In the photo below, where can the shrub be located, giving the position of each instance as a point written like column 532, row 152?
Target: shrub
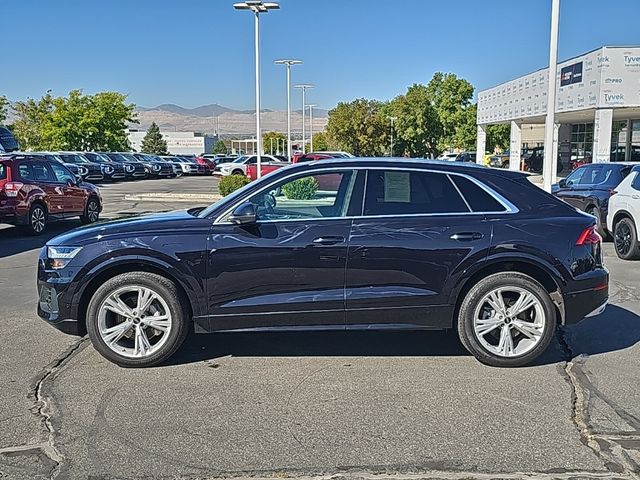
column 231, row 183
column 302, row 189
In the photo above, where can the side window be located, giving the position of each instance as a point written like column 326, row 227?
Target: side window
column 25, row 172
column 3, row 171
column 312, row 196
column 635, row 184
column 590, row 176
column 62, row 174
column 478, row 199
column 391, row 192
column 575, row 177
column 252, row 160
column 36, row 171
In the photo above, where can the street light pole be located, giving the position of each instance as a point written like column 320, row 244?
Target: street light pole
column 304, row 87
column 288, row 63
column 549, row 165
column 392, row 119
column 257, row 7
column 311, row 126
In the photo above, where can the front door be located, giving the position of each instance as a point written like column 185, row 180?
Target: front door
column 287, row 269
column 74, row 196
column 416, row 237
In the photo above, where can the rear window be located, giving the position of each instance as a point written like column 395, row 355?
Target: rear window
column 635, row 184
column 35, row 171
column 392, row 192
column 478, row 198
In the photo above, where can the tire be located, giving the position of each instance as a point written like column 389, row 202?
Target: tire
column 169, row 316
column 484, row 346
column 91, row 211
column 600, row 227
column 37, row 221
column 237, row 172
column 625, row 240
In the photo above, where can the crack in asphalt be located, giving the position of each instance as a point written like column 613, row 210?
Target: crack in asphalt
column 610, row 447
column 43, row 405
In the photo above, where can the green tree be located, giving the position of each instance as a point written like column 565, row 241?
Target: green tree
column 33, row 118
column 417, row 127
column 153, row 142
column 4, row 107
column 321, row 142
column 271, row 140
column 219, row 147
column 451, row 97
column 498, row 137
column 466, row 132
column 358, row 127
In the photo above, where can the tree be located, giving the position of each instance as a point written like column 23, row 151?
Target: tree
column 358, row 127
column 451, row 97
column 321, row 142
column 466, row 132
column 219, row 147
column 417, row 127
column 153, row 142
column 272, row 140
column 77, row 122
column 498, row 137
column 4, row 106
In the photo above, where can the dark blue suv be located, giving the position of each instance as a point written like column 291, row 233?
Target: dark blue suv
column 589, row 188
column 342, row 244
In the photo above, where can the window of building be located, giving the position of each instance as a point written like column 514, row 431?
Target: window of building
column 618, row 141
column 581, row 141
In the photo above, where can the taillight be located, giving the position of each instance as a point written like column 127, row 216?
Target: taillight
column 589, row 236
column 11, row 189
column 201, row 161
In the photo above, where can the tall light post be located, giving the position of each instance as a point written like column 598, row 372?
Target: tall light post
column 549, row 165
column 392, row 120
column 311, row 126
column 304, row 87
column 288, row 63
column 257, row 7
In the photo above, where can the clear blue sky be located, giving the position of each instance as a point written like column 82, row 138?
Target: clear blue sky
column 194, row 52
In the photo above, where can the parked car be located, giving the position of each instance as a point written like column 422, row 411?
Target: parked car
column 397, row 243
column 175, row 163
column 191, row 167
column 77, row 169
column 35, row 191
column 111, row 170
column 225, row 159
column 207, row 162
column 133, row 170
column 534, row 160
column 296, row 156
column 155, row 168
column 93, row 170
column 624, row 216
column 172, row 172
column 447, row 156
column 590, row 187
column 239, row 165
column 8, row 142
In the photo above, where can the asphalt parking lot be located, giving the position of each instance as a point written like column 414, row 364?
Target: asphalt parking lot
column 360, row 404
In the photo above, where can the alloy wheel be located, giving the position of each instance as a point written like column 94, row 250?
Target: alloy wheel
column 622, row 239
column 509, row 321
column 92, row 211
column 38, row 219
column 134, row 321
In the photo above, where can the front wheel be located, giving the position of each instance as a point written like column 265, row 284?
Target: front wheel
column 37, row 221
column 507, row 320
column 625, row 240
column 137, row 319
column 91, row 212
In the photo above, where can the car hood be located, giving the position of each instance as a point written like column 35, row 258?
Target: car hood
column 128, row 227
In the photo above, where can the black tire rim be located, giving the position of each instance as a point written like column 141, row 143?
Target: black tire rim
column 38, row 219
column 92, row 211
column 622, row 239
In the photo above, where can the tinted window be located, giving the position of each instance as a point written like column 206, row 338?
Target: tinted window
column 62, row 174
column 36, row 171
column 575, row 177
column 635, row 184
column 311, row 196
column 391, row 192
column 477, row 198
column 591, row 175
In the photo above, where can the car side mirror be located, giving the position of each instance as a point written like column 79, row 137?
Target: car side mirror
column 562, row 183
column 244, row 214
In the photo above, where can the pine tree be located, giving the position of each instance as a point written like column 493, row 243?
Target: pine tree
column 153, row 142
column 219, row 147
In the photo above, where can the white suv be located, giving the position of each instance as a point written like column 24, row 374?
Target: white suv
column 239, row 165
column 624, row 216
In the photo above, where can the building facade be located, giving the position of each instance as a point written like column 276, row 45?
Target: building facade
column 597, row 108
column 178, row 143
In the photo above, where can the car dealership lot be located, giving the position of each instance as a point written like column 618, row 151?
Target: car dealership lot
column 310, row 403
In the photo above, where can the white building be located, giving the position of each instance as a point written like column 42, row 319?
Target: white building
column 178, row 143
column 597, row 107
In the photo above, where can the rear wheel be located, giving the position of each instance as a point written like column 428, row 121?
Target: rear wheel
column 506, row 320
column 237, row 172
column 137, row 319
column 625, row 239
column 37, row 221
column 91, row 211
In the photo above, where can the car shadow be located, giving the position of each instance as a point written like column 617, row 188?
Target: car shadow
column 616, row 329
column 14, row 240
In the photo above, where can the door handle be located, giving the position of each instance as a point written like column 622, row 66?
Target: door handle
column 466, row 236
column 635, row 197
column 328, row 240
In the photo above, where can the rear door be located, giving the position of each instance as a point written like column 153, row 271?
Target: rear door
column 416, row 236
column 37, row 172
column 579, row 186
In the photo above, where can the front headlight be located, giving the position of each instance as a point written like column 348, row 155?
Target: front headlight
column 59, row 257
column 83, row 171
column 130, row 168
column 156, row 167
column 108, row 169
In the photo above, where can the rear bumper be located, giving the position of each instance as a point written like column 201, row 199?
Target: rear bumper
column 585, row 303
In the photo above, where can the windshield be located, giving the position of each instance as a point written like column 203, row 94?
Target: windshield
column 69, row 158
column 241, row 159
column 116, row 157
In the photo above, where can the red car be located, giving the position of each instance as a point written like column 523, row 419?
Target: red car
column 34, row 191
column 208, row 163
